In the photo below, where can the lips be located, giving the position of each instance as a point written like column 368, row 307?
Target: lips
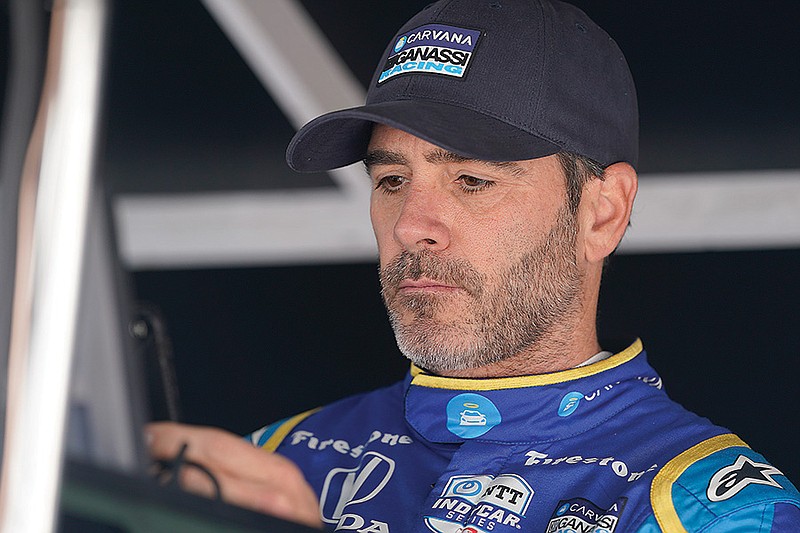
column 421, row 273
column 426, row 285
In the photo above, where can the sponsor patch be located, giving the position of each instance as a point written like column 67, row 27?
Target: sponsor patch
column 480, row 503
column 730, row 480
column 569, row 403
column 470, row 415
column 581, row 515
column 431, row 49
column 571, row 400
column 653, row 381
column 620, row 468
column 314, row 442
column 351, row 486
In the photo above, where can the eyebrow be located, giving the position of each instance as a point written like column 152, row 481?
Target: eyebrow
column 437, row 156
column 384, row 157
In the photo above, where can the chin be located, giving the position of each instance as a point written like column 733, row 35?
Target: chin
column 444, row 348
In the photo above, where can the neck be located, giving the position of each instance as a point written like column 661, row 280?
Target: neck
column 545, row 357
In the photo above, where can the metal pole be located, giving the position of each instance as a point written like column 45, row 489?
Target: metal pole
column 45, row 311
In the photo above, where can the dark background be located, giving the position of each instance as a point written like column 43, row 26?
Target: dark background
column 717, row 85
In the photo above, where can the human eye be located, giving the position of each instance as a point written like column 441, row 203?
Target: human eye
column 471, row 184
column 390, row 184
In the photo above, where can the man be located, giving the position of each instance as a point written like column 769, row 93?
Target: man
column 501, row 140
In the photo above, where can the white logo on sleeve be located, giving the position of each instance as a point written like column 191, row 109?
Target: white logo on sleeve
column 728, row 481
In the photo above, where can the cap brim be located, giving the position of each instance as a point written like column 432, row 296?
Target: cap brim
column 340, row 138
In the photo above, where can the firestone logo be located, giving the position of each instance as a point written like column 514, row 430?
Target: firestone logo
column 343, row 447
column 618, row 467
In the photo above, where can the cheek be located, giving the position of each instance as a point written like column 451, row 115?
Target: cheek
column 485, row 245
column 495, row 241
column 383, row 228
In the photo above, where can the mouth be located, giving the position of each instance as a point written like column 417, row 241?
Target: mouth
column 425, row 285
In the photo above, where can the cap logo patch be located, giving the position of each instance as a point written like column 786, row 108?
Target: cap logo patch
column 431, row 49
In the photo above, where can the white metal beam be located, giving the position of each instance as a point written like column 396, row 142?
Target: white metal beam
column 296, row 64
column 716, row 211
column 685, row 213
column 242, row 228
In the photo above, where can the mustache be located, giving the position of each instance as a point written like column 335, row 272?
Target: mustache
column 407, row 265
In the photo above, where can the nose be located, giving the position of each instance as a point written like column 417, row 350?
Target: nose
column 421, row 224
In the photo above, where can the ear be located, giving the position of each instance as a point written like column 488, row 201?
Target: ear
column 606, row 206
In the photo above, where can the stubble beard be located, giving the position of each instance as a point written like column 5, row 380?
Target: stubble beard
column 533, row 295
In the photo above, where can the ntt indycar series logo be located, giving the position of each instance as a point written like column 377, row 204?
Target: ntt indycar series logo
column 432, row 49
column 481, row 503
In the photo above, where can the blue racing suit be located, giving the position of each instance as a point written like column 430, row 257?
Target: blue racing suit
column 599, row 449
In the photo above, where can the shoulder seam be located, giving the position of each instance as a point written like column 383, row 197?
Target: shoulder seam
column 283, row 430
column 661, row 487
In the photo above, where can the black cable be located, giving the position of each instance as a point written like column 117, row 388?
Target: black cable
column 169, row 470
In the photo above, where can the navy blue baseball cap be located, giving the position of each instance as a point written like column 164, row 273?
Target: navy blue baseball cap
column 496, row 80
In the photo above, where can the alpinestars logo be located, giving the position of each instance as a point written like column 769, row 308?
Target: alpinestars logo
column 730, row 480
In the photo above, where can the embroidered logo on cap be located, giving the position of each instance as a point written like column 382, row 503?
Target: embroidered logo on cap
column 431, row 49
column 471, row 415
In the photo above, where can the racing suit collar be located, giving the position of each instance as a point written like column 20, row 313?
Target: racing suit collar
column 423, row 379
column 528, row 408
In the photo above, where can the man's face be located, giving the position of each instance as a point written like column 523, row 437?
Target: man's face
column 478, row 259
